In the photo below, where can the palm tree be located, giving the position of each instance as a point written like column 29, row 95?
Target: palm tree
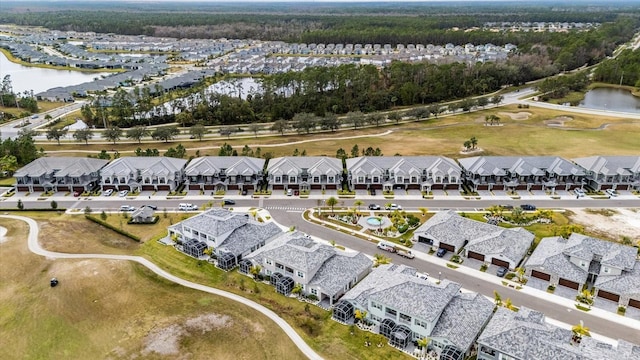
column 423, row 210
column 509, row 305
column 332, row 201
column 423, row 343
column 297, row 289
column 255, row 271
column 358, row 203
column 379, row 259
column 520, row 272
column 360, row 315
column 497, row 298
column 579, row 331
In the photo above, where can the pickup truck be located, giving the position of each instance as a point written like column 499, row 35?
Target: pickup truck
column 406, row 254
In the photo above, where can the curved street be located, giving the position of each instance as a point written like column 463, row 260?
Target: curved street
column 34, row 246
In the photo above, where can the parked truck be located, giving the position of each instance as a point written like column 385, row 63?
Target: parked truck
column 405, row 254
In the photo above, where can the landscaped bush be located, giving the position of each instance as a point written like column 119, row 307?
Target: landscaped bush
column 403, row 228
column 510, row 276
column 484, row 267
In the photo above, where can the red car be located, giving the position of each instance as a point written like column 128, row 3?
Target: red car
column 76, row 194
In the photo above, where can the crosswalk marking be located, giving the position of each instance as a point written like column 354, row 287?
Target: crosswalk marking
column 287, row 208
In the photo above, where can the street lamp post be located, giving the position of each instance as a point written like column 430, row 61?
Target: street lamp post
column 439, row 276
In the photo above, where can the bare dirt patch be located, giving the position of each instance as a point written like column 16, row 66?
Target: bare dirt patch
column 523, row 115
column 609, row 223
column 166, row 340
column 558, row 121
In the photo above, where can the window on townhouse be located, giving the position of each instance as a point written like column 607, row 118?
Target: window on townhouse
column 360, row 179
column 288, row 269
column 316, row 179
column 605, row 269
column 422, row 324
column 268, row 262
column 414, row 179
column 279, row 266
column 300, row 274
column 292, row 179
column 375, row 305
column 268, row 272
column 400, row 179
column 376, row 179
column 331, row 180
column 314, row 292
column 488, row 351
column 405, row 318
column 390, row 312
column 122, row 180
column 278, row 179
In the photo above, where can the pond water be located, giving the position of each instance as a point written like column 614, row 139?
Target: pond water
column 27, row 78
column 611, row 99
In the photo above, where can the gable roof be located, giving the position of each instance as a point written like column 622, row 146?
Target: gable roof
column 611, row 253
column 248, row 236
column 296, row 250
column 295, row 164
column 215, row 222
column 549, row 255
column 526, row 335
column 61, row 166
column 610, row 165
column 463, row 318
column 626, row 284
column 129, row 166
column 402, row 164
column 397, row 286
column 520, row 165
column 451, row 228
column 337, row 272
column 234, row 165
column 511, row 244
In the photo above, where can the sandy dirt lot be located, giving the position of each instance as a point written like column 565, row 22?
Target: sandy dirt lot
column 612, row 223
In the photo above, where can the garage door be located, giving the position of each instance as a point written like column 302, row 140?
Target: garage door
column 475, row 255
column 568, row 283
column 447, row 247
column 540, row 275
column 609, row 296
column 499, row 262
column 422, row 239
column 634, row 303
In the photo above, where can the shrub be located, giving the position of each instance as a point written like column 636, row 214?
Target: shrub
column 484, row 267
column 109, row 226
column 510, row 276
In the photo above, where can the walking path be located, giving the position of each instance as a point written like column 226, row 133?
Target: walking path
column 34, row 246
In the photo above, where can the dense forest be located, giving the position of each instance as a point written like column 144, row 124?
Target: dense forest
column 623, row 70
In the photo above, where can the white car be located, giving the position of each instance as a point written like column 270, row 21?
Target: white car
column 611, row 192
column 187, row 207
column 289, row 192
column 108, row 192
column 393, row 207
column 579, row 192
column 127, row 208
column 123, row 193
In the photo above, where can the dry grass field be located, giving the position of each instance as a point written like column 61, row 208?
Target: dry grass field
column 540, row 133
column 117, row 310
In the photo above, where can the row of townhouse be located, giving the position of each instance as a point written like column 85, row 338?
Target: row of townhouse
column 402, row 306
column 424, row 173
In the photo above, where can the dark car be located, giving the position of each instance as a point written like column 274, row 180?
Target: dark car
column 374, row 207
column 229, row 202
column 441, row 252
column 506, row 207
column 152, row 207
column 53, row 282
column 502, row 271
column 528, row 207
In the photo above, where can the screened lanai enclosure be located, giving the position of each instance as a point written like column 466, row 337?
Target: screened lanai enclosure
column 245, row 266
column 451, row 353
column 226, row 261
column 285, row 285
column 386, row 328
column 275, row 277
column 343, row 311
column 401, row 335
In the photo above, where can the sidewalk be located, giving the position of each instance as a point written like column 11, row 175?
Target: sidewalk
column 561, row 301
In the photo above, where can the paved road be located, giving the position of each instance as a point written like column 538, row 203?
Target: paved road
column 9, row 130
column 34, row 246
column 568, row 315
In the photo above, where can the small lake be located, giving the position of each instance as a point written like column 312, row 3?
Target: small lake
column 27, row 78
column 611, row 99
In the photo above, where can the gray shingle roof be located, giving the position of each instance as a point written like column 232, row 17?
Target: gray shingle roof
column 154, row 165
column 215, row 222
column 521, row 165
column 397, row 286
column 247, row 236
column 294, row 164
column 613, row 254
column 451, row 228
column 234, row 165
column 512, row 244
column 62, row 166
column 295, row 249
column 627, row 284
column 463, row 319
column 525, row 335
column 336, row 273
column 610, row 165
column 403, row 164
column 549, row 258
